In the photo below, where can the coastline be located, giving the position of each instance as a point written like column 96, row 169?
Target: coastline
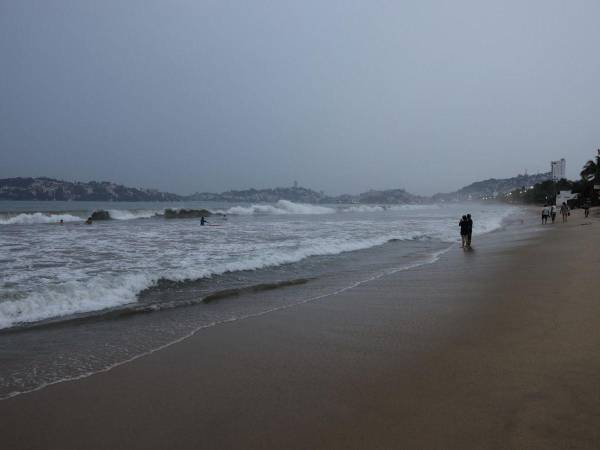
column 494, row 348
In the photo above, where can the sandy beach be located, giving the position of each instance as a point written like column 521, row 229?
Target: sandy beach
column 492, row 348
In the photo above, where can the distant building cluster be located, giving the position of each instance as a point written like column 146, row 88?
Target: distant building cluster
column 558, row 169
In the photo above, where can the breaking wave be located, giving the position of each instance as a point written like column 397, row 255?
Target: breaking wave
column 288, row 207
column 281, row 207
column 77, row 216
column 126, row 214
column 104, row 291
column 38, row 217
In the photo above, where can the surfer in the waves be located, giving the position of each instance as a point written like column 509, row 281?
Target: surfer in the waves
column 203, row 221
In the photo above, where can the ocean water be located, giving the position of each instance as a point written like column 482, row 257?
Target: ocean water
column 76, row 299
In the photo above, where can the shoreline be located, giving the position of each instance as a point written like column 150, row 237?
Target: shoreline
column 462, row 353
column 81, row 321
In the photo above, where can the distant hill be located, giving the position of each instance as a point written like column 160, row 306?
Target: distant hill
column 51, row 189
column 492, row 188
column 304, row 195
column 390, row 196
column 293, row 194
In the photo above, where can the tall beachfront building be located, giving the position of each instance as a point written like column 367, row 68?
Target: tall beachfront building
column 558, row 169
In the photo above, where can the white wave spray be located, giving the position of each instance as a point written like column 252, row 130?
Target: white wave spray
column 38, row 217
column 279, row 208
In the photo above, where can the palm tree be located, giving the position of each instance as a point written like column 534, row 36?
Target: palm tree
column 590, row 177
column 590, row 169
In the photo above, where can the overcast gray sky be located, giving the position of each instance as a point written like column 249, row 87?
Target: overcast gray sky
column 343, row 96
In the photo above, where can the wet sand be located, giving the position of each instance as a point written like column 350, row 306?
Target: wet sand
column 498, row 347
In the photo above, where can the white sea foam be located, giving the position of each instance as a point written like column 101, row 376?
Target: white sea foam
column 414, row 207
column 38, row 217
column 428, row 260
column 126, row 214
column 279, row 208
column 51, row 272
column 288, row 207
column 102, row 292
column 364, row 209
column 72, row 297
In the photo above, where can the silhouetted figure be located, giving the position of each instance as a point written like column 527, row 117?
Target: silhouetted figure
column 202, row 221
column 586, row 208
column 89, row 221
column 553, row 213
column 564, row 211
column 469, row 230
column 464, row 230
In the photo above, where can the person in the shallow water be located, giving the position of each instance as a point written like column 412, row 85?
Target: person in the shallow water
column 202, row 220
column 464, row 230
column 88, row 221
column 469, row 230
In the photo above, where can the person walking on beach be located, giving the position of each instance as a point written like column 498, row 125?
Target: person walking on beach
column 564, row 210
column 469, row 230
column 586, row 208
column 553, row 213
column 464, row 230
column 545, row 214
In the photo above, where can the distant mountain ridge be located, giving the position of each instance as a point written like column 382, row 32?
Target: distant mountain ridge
column 492, row 188
column 48, row 189
column 293, row 194
column 304, row 195
column 43, row 188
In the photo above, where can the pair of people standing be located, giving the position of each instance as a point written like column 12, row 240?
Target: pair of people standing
column 466, row 230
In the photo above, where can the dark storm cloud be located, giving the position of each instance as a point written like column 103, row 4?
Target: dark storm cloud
column 342, row 96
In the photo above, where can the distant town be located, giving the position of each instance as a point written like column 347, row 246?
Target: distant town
column 49, row 189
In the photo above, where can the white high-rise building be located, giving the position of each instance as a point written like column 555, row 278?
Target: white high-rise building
column 558, row 169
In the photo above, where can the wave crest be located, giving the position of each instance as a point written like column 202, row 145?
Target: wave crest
column 38, row 217
column 128, row 214
column 105, row 292
column 279, row 208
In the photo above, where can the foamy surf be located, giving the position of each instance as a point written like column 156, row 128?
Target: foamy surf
column 38, row 218
column 285, row 207
column 54, row 272
column 104, row 292
column 125, row 214
column 44, row 380
column 282, row 207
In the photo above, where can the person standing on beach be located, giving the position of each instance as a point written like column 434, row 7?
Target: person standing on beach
column 464, row 230
column 469, row 230
column 564, row 210
column 553, row 213
column 545, row 214
column 586, row 208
